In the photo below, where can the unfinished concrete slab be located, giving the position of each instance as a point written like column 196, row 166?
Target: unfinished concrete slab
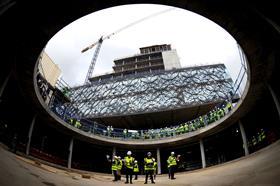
column 260, row 168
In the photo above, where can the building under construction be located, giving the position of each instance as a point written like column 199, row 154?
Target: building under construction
column 225, row 144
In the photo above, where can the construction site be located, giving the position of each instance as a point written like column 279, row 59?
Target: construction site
column 149, row 105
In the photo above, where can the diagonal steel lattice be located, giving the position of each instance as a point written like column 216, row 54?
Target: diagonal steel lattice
column 150, row 92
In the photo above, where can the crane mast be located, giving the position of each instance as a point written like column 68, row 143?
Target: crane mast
column 100, row 41
column 93, row 60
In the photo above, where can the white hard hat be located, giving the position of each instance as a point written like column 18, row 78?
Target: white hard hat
column 135, row 161
column 149, row 153
column 172, row 153
column 129, row 153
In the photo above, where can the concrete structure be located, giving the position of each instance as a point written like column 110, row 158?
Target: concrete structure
column 151, row 59
column 49, row 70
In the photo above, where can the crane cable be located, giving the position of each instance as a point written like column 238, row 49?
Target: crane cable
column 125, row 27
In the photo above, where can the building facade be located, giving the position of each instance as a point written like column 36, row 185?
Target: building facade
column 48, row 69
column 151, row 59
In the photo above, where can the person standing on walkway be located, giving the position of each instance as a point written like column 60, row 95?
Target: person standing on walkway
column 155, row 170
column 172, row 164
column 149, row 167
column 128, row 164
column 136, row 170
column 119, row 168
column 115, row 161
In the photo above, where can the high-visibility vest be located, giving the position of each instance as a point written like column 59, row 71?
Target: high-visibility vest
column 155, row 166
column 129, row 162
column 186, row 126
column 119, row 166
column 149, row 163
column 78, row 124
column 136, row 168
column 262, row 134
column 229, row 106
column 171, row 161
column 115, row 164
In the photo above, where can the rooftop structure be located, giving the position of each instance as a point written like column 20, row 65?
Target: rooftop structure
column 48, row 69
column 151, row 59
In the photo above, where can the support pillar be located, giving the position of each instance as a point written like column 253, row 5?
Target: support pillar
column 70, row 153
column 114, row 152
column 30, row 135
column 275, row 99
column 158, row 161
column 202, row 153
column 244, row 138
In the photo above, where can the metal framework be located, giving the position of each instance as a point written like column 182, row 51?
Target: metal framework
column 151, row 92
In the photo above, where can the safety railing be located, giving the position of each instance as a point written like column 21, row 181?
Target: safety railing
column 58, row 106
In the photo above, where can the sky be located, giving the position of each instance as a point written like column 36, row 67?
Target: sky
column 198, row 40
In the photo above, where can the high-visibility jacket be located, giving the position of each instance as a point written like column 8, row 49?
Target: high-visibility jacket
column 119, row 166
column 201, row 121
column 115, row 164
column 186, row 128
column 171, row 161
column 128, row 161
column 136, row 168
column 78, row 124
column 155, row 166
column 262, row 134
column 149, row 163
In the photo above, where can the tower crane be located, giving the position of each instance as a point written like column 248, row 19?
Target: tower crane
column 102, row 38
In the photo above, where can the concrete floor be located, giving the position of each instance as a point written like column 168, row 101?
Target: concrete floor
column 260, row 169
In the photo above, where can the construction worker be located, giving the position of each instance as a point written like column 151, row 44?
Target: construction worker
column 136, row 169
column 125, row 133
column 168, row 167
column 155, row 170
column 172, row 163
column 149, row 167
column 119, row 168
column 78, row 124
column 115, row 164
column 128, row 163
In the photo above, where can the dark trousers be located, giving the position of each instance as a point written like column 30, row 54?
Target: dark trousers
column 119, row 175
column 169, row 175
column 115, row 173
column 136, row 175
column 151, row 174
column 129, row 173
column 172, row 171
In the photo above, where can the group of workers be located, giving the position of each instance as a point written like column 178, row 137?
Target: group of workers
column 130, row 167
column 75, row 122
column 189, row 126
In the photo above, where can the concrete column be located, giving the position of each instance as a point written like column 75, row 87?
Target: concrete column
column 202, row 153
column 244, row 138
column 114, row 152
column 70, row 153
column 158, row 161
column 275, row 99
column 30, row 135
column 3, row 86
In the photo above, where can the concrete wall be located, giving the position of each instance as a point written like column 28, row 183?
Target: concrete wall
column 171, row 59
column 49, row 69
